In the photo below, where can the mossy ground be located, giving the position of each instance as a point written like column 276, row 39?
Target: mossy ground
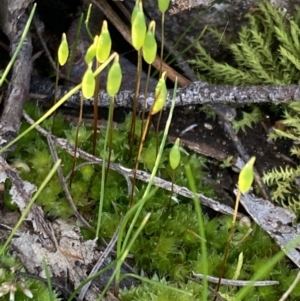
column 168, row 247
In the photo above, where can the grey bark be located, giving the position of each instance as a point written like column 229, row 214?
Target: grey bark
column 13, row 23
column 196, row 93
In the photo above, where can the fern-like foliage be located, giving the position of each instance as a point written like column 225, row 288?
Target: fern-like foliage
column 266, row 52
column 248, row 120
column 284, row 181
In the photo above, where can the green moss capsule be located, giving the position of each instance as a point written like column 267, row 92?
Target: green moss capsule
column 91, row 52
column 163, row 5
column 246, row 176
column 175, row 155
column 88, row 83
column 138, row 28
column 103, row 44
column 63, row 50
column 160, row 95
column 150, row 45
column 114, row 78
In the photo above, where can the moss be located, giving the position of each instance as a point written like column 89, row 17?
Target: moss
column 169, row 246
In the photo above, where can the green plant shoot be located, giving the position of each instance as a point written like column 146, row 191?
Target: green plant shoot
column 163, row 5
column 114, row 78
column 91, row 52
column 104, row 44
column 246, row 176
column 150, row 45
column 139, row 28
column 160, row 95
column 63, row 50
column 175, row 155
column 88, row 83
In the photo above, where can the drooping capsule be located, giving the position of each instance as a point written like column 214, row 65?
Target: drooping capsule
column 88, row 83
column 150, row 45
column 63, row 50
column 175, row 155
column 160, row 95
column 104, row 44
column 138, row 27
column 246, row 176
column 114, row 78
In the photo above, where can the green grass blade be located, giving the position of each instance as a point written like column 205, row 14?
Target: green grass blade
column 198, row 209
column 11, row 62
column 103, row 175
column 267, row 268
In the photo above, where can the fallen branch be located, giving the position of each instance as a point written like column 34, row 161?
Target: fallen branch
column 196, row 93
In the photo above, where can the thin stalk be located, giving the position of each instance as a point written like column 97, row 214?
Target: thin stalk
column 136, row 96
column 95, row 123
column 142, row 137
column 162, row 42
column 55, row 92
column 110, row 114
column 76, row 138
column 86, row 22
column 156, row 132
column 137, row 160
column 172, row 188
column 160, row 72
column 196, row 19
column 145, row 99
column 238, row 197
column 198, row 210
column 110, row 125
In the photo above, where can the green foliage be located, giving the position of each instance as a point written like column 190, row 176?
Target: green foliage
column 248, row 119
column 169, row 243
column 266, row 53
column 154, row 292
column 284, row 181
